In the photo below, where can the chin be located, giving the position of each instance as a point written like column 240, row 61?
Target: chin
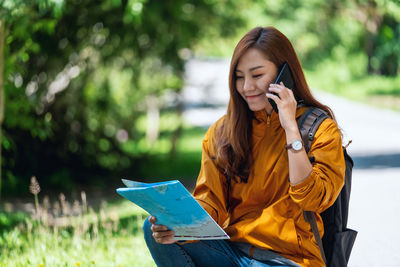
column 257, row 107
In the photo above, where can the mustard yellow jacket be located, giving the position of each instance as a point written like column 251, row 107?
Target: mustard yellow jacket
column 269, row 211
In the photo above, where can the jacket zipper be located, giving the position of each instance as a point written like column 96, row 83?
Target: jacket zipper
column 268, row 120
column 300, row 244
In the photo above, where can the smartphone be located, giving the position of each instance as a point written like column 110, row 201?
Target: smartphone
column 285, row 76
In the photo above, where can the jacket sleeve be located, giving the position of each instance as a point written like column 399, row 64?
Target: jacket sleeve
column 320, row 190
column 211, row 186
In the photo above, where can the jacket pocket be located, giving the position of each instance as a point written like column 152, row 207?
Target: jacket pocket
column 300, row 242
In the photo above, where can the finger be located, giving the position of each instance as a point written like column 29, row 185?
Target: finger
column 274, row 89
column 277, row 88
column 166, row 240
column 291, row 94
column 274, row 97
column 281, row 91
column 284, row 94
column 161, row 235
column 282, row 84
column 152, row 219
column 169, row 241
column 278, row 85
column 158, row 228
column 287, row 94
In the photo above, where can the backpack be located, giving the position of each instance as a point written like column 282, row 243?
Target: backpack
column 338, row 240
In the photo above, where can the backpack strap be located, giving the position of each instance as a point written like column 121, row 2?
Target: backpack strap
column 308, row 124
column 310, row 218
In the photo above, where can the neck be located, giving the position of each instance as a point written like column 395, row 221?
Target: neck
column 268, row 109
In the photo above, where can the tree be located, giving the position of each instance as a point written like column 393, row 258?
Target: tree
column 13, row 13
column 340, row 28
column 381, row 20
column 79, row 74
column 1, row 93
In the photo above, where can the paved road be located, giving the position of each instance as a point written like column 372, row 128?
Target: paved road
column 375, row 202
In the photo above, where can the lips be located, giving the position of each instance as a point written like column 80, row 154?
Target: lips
column 253, row 96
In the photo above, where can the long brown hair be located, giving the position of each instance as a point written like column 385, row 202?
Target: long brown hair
column 233, row 139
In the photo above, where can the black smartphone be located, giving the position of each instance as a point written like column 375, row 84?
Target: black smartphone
column 285, row 76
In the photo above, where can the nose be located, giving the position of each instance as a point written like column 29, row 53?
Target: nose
column 248, row 85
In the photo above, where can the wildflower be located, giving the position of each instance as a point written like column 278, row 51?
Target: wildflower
column 84, row 202
column 77, row 264
column 92, row 261
column 34, row 188
column 41, row 265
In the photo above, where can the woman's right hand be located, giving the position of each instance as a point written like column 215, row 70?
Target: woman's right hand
column 161, row 234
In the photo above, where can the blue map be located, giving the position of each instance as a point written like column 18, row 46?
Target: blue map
column 175, row 207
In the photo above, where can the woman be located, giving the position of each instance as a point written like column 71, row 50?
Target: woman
column 253, row 181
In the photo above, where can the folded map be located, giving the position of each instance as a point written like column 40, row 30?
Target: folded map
column 174, row 207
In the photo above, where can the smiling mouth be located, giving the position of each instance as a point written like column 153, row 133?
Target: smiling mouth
column 253, row 96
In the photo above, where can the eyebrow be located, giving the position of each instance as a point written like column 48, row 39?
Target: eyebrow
column 251, row 69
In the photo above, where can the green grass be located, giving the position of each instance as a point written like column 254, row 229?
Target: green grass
column 111, row 236
column 189, row 141
column 73, row 234
column 348, row 79
column 184, row 165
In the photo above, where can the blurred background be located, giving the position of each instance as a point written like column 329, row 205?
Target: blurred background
column 94, row 91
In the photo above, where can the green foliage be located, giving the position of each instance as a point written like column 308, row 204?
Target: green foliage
column 80, row 75
column 336, row 29
column 186, row 163
column 83, row 78
column 10, row 220
column 386, row 60
column 348, row 79
column 75, row 236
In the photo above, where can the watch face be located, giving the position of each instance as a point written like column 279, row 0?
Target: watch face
column 297, row 145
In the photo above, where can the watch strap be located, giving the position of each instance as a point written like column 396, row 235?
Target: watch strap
column 290, row 146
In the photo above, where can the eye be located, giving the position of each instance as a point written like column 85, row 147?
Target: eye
column 239, row 77
column 257, row 75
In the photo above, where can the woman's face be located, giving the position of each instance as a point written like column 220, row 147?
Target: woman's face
column 253, row 74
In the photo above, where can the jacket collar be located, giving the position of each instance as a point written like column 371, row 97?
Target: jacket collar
column 261, row 116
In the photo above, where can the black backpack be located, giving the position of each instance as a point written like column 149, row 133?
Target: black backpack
column 338, row 240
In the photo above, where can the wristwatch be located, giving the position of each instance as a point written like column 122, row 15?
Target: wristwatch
column 296, row 145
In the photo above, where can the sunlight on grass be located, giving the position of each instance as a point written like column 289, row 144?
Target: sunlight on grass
column 47, row 249
column 76, row 235
column 71, row 233
column 347, row 79
column 191, row 141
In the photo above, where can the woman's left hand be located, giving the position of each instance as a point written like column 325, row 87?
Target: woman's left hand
column 286, row 103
